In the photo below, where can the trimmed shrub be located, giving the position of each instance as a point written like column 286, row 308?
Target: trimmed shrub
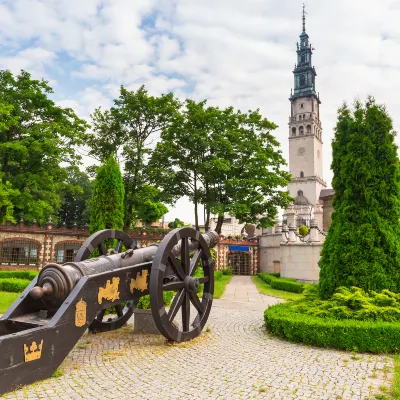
column 362, row 336
column 227, row 271
column 144, row 301
column 217, row 275
column 303, row 230
column 276, row 274
column 13, row 284
column 287, row 285
column 19, row 274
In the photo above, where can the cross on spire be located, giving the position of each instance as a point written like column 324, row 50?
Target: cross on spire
column 304, row 17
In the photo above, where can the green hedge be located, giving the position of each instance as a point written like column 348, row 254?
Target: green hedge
column 361, row 336
column 286, row 284
column 19, row 274
column 13, row 285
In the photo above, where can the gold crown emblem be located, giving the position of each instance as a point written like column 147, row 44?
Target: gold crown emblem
column 34, row 352
column 80, row 313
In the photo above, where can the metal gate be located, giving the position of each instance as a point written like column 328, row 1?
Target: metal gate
column 240, row 263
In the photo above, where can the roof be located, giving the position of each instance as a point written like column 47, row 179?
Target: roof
column 326, row 193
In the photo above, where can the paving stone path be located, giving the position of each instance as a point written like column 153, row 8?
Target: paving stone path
column 233, row 359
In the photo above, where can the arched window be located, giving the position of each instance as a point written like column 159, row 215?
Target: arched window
column 303, row 58
column 308, row 129
column 302, row 80
column 66, row 251
column 293, row 131
column 301, row 174
column 301, row 130
column 19, row 252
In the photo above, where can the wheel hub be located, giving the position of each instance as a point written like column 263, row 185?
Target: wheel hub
column 191, row 284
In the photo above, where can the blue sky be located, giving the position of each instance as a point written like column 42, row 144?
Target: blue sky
column 230, row 52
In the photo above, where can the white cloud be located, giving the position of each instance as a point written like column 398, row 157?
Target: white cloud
column 231, row 52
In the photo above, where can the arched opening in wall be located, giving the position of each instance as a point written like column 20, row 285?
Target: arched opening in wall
column 308, row 129
column 293, row 131
column 301, row 130
column 240, row 263
column 302, row 80
column 301, row 174
column 66, row 251
column 301, row 221
column 19, row 252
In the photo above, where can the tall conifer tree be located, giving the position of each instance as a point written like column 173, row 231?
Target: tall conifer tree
column 107, row 208
column 362, row 247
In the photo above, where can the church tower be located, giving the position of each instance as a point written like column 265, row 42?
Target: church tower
column 305, row 129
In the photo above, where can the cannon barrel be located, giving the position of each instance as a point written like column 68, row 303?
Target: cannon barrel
column 55, row 282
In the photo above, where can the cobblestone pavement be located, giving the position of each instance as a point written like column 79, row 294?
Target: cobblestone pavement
column 233, row 359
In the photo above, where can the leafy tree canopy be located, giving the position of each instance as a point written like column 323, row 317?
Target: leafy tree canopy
column 36, row 136
column 362, row 245
column 128, row 129
column 76, row 196
column 223, row 159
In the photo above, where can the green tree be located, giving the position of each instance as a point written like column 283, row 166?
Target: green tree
column 36, row 136
column 107, row 205
column 362, row 245
column 128, row 129
column 177, row 223
column 76, row 198
column 225, row 160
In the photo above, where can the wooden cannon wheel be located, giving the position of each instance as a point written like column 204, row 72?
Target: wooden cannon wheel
column 182, row 282
column 98, row 240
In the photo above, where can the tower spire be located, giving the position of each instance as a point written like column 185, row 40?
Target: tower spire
column 304, row 17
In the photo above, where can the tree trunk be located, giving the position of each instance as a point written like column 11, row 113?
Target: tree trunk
column 196, row 216
column 219, row 224
column 207, row 223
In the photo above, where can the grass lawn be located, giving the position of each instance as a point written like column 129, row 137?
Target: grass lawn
column 6, row 299
column 220, row 285
column 264, row 288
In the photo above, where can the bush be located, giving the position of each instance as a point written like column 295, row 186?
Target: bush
column 303, row 230
column 19, row 274
column 363, row 336
column 353, row 303
column 286, row 284
column 144, row 301
column 13, row 284
column 218, row 275
column 276, row 274
column 227, row 271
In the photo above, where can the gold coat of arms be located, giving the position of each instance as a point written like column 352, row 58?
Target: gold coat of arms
column 80, row 313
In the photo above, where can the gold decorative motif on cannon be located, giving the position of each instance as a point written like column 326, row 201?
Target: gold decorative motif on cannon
column 80, row 313
column 110, row 292
column 34, row 352
column 140, row 283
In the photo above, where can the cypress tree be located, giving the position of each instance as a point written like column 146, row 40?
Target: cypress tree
column 107, row 208
column 362, row 245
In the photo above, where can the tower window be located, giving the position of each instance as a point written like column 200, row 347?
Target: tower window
column 301, row 176
column 293, row 131
column 301, row 130
column 301, row 105
column 308, row 129
column 302, row 80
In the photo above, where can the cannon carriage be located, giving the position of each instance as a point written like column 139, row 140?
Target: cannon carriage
column 40, row 329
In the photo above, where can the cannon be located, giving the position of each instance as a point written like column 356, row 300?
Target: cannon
column 99, row 291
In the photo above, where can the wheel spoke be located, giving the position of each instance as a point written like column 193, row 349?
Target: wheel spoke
column 176, row 267
column 203, row 279
column 118, row 246
column 185, row 255
column 195, row 260
column 119, row 310
column 176, row 304
column 196, row 302
column 186, row 313
column 101, row 315
column 173, row 286
column 102, row 249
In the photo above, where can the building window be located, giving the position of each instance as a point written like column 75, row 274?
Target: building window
column 301, row 130
column 301, row 174
column 301, row 105
column 293, row 131
column 66, row 252
column 302, row 80
column 19, row 252
column 308, row 129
